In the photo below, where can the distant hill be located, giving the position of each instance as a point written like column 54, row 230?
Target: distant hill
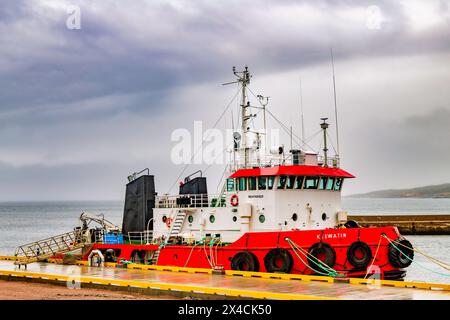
column 437, row 191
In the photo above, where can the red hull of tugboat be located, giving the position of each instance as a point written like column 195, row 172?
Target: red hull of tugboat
column 271, row 252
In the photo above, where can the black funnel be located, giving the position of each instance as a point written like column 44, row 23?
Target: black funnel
column 139, row 204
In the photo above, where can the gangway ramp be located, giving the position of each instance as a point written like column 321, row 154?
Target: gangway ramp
column 46, row 248
column 213, row 286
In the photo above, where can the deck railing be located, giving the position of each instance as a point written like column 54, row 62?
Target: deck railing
column 144, row 237
column 191, row 201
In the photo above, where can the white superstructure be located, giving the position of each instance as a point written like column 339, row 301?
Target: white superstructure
column 262, row 192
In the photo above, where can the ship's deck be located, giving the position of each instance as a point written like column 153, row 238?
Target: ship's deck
column 207, row 284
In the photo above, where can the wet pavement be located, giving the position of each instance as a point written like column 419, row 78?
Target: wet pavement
column 294, row 287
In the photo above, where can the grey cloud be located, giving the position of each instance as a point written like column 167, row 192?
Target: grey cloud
column 76, row 98
column 136, row 50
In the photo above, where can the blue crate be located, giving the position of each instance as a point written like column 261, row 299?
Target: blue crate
column 111, row 238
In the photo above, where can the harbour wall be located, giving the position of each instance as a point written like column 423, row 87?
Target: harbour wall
column 420, row 224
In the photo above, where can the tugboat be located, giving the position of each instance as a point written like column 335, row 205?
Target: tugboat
column 276, row 213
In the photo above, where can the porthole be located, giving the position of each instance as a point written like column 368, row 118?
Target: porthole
column 164, row 218
column 262, row 218
column 294, row 217
column 234, row 219
column 190, row 219
column 324, row 216
column 212, row 218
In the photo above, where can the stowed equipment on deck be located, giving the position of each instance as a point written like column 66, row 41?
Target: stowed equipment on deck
column 66, row 242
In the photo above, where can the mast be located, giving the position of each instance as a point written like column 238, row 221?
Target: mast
column 302, row 117
column 264, row 101
column 244, row 79
column 324, row 126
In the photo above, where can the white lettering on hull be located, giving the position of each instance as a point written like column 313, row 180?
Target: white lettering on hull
column 332, row 236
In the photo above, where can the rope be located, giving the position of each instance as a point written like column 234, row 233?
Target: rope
column 211, row 253
column 203, row 141
column 329, row 271
column 281, row 123
column 374, row 257
column 306, row 264
column 321, row 264
column 190, row 253
column 433, row 271
column 438, row 262
column 206, row 254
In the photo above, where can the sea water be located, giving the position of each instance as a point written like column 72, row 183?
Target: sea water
column 24, row 222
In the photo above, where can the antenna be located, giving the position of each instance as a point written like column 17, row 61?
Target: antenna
column 335, row 104
column 264, row 101
column 301, row 112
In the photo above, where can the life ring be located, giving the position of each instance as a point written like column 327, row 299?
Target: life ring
column 401, row 259
column 234, row 201
column 278, row 260
column 359, row 254
column 168, row 222
column 324, row 252
column 245, row 261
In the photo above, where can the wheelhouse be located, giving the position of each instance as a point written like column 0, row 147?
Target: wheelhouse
column 288, row 178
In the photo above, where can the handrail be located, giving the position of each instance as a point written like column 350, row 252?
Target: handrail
column 135, row 175
column 143, row 237
column 48, row 247
column 191, row 201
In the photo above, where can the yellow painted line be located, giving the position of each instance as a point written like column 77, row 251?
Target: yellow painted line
column 136, row 266
column 281, row 276
column 169, row 287
column 265, row 275
column 10, row 258
column 108, row 264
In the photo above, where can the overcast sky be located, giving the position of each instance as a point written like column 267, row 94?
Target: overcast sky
column 80, row 109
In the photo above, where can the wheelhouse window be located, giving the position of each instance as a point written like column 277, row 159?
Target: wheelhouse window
column 262, row 183
column 330, row 183
column 338, row 184
column 311, row 182
column 299, row 182
column 252, row 183
column 282, row 182
column 290, row 182
column 323, row 183
column 230, row 184
column 270, row 182
column 242, row 184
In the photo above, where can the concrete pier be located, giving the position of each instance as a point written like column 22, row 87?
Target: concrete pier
column 421, row 224
column 202, row 283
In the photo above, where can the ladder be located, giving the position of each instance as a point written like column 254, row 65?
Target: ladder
column 46, row 248
column 175, row 229
column 155, row 256
column 177, row 224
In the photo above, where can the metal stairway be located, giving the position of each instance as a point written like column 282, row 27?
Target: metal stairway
column 175, row 229
column 46, row 248
column 177, row 224
column 155, row 256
